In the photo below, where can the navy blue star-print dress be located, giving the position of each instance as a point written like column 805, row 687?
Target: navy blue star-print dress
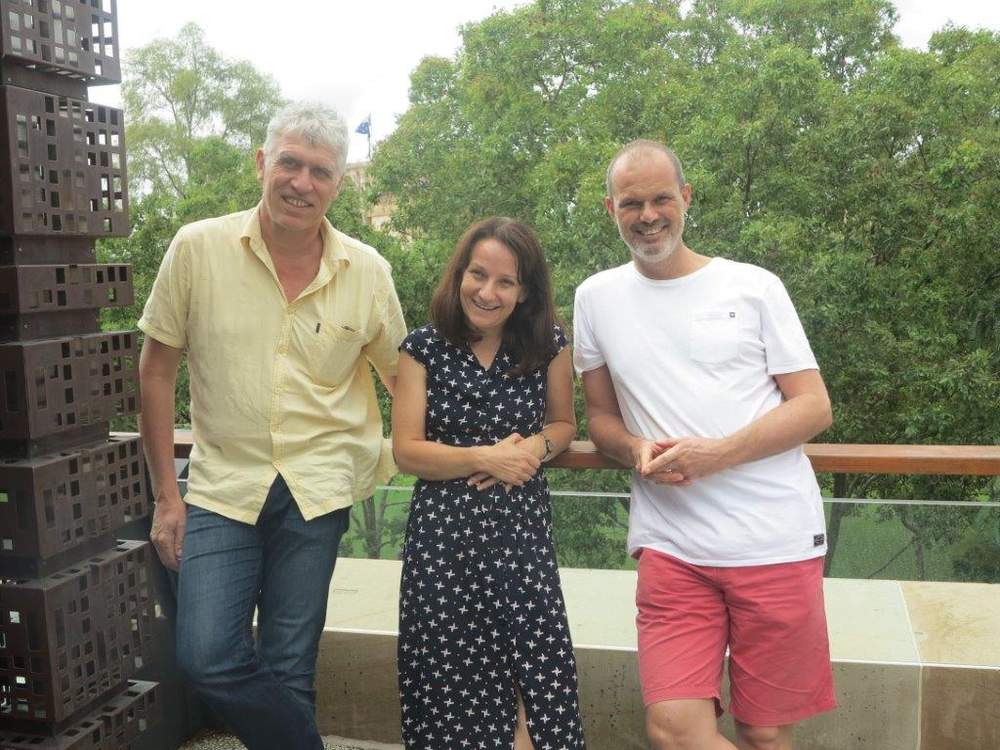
column 481, row 608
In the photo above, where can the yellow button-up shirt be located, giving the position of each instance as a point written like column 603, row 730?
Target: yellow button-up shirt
column 277, row 386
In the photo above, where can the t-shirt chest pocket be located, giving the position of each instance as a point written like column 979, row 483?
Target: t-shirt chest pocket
column 715, row 336
column 334, row 353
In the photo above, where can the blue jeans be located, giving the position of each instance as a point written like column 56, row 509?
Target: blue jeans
column 282, row 565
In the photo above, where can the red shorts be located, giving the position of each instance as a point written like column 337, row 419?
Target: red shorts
column 771, row 617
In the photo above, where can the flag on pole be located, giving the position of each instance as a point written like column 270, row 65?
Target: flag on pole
column 365, row 128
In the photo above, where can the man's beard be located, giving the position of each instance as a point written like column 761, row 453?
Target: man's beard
column 653, row 254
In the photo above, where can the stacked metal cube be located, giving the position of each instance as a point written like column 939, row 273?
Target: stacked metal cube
column 76, row 605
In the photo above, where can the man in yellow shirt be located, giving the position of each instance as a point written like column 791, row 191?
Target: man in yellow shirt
column 280, row 315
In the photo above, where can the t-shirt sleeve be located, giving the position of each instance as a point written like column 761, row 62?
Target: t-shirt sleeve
column 383, row 350
column 418, row 344
column 165, row 315
column 587, row 354
column 785, row 343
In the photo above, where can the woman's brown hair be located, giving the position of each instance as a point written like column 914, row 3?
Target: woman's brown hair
column 528, row 332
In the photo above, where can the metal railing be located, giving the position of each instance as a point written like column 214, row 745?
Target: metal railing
column 841, row 458
column 928, row 538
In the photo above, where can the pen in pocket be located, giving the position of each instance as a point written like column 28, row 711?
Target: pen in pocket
column 344, row 327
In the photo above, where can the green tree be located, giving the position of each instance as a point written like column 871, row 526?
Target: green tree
column 864, row 174
column 177, row 93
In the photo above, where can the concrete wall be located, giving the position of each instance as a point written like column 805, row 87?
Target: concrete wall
column 917, row 665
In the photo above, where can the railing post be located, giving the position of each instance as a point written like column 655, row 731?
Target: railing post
column 837, row 513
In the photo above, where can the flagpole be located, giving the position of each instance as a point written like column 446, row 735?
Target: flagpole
column 365, row 128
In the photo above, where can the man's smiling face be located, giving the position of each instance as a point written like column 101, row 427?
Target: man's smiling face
column 300, row 181
column 648, row 205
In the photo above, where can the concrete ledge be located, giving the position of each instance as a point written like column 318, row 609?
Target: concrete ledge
column 917, row 664
column 356, row 691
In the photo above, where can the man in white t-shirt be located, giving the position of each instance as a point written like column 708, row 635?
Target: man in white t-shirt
column 698, row 374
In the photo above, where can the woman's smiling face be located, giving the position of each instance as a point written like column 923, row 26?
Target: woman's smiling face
column 490, row 287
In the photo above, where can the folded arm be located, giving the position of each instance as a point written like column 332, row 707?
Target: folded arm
column 606, row 426
column 560, row 419
column 804, row 413
column 427, row 459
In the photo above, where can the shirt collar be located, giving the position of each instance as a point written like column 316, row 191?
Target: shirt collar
column 334, row 252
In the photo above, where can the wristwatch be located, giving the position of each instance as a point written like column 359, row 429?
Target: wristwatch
column 550, row 447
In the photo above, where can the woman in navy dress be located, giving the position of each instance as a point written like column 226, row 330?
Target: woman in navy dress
column 483, row 397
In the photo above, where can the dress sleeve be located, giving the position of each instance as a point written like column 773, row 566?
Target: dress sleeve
column 418, row 344
column 559, row 341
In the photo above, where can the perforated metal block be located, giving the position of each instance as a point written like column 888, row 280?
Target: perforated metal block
column 48, row 325
column 69, row 638
column 72, row 38
column 52, row 505
column 12, row 73
column 56, row 385
column 51, row 288
column 59, row 300
column 64, row 159
column 22, row 250
column 119, row 724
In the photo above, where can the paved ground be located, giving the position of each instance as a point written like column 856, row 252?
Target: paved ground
column 216, row 741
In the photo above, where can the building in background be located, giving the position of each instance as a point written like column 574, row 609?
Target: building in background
column 378, row 215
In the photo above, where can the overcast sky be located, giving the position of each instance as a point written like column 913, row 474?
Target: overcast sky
column 358, row 54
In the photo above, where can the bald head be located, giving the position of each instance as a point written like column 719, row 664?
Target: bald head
column 637, row 150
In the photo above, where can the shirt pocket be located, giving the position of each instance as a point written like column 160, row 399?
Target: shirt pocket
column 714, row 336
column 334, row 354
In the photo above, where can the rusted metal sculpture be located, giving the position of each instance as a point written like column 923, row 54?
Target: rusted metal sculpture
column 76, row 606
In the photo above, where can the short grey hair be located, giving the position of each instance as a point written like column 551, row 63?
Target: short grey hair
column 317, row 124
column 639, row 145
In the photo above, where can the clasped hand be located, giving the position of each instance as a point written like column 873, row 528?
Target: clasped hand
column 509, row 461
column 679, row 461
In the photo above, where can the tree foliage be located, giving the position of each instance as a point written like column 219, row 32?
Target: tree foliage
column 179, row 93
column 866, row 175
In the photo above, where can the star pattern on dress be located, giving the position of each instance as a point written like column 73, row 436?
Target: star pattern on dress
column 481, row 608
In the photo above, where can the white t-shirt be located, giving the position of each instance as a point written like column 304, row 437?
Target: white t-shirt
column 695, row 356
